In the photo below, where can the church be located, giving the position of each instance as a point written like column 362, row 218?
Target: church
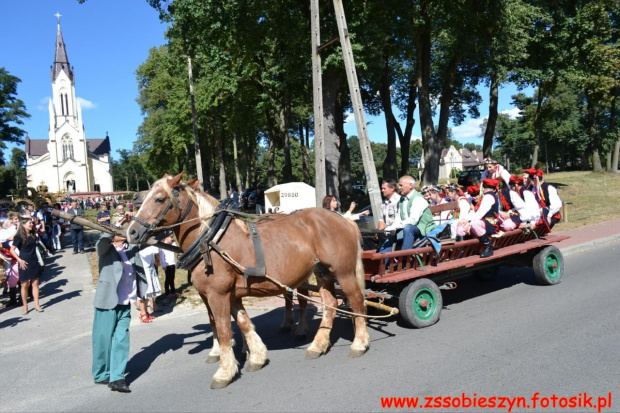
column 66, row 161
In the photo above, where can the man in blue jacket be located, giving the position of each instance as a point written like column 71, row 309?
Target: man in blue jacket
column 121, row 275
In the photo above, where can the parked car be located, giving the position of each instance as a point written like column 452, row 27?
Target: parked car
column 470, row 177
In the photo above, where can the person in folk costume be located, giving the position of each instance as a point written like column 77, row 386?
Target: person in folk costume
column 434, row 197
column 495, row 171
column 484, row 221
column 454, row 193
column 462, row 226
column 547, row 196
column 529, row 211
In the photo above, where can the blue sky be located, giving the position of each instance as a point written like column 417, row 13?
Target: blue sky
column 106, row 41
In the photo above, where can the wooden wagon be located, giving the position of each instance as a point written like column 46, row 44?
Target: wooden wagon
column 414, row 278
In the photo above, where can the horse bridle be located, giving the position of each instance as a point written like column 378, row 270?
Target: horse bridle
column 174, row 201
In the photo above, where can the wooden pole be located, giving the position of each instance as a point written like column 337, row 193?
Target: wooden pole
column 370, row 171
column 317, row 95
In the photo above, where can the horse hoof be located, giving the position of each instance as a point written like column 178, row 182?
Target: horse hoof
column 356, row 353
column 252, row 367
column 216, row 385
column 284, row 329
column 212, row 359
column 312, row 355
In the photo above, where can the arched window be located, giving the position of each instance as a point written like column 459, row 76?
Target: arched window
column 67, row 148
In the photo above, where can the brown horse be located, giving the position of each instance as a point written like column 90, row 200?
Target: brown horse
column 310, row 241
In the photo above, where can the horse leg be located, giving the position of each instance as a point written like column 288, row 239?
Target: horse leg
column 302, row 326
column 289, row 318
column 321, row 342
column 354, row 294
column 214, row 354
column 258, row 350
column 220, row 308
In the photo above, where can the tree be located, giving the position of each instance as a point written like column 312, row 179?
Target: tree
column 12, row 111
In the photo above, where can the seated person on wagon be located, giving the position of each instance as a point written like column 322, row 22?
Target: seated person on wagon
column 547, row 196
column 389, row 205
column 454, row 193
column 414, row 220
column 495, row 171
column 433, row 196
column 524, row 203
column 484, row 221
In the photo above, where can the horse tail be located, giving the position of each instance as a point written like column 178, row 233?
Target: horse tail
column 359, row 268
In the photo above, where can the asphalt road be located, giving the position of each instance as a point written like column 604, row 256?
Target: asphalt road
column 508, row 337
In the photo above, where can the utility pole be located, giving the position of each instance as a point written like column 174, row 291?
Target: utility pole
column 194, row 126
column 317, row 98
column 358, row 111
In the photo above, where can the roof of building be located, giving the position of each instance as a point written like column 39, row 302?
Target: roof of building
column 38, row 147
column 470, row 159
column 61, row 60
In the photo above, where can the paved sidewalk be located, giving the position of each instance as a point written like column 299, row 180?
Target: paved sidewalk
column 49, row 353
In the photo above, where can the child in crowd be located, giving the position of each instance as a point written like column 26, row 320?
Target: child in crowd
column 168, row 263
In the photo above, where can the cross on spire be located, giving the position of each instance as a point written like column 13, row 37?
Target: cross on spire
column 58, row 15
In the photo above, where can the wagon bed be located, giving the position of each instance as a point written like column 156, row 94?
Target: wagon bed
column 414, row 278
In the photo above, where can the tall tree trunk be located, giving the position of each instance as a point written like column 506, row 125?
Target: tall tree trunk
column 389, row 164
column 345, row 186
column 287, row 172
column 594, row 136
column 271, row 169
column 612, row 127
column 537, row 126
column 429, row 139
column 236, row 163
column 304, row 140
column 331, row 88
column 487, row 146
column 219, row 143
column 405, row 137
column 126, row 182
column 447, row 95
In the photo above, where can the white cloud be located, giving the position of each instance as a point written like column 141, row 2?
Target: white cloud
column 43, row 103
column 468, row 130
column 86, row 104
column 512, row 113
column 348, row 117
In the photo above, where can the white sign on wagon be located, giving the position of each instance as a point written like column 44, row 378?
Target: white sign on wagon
column 286, row 198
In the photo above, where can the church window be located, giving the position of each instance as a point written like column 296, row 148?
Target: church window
column 67, row 148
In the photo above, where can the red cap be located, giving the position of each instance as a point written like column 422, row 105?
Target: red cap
column 473, row 190
column 516, row 179
column 490, row 183
column 530, row 171
column 539, row 173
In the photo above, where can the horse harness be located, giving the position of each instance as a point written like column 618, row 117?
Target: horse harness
column 174, row 201
column 208, row 240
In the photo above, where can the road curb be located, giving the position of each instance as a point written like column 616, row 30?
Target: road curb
column 588, row 245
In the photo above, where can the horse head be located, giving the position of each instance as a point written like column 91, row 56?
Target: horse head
column 161, row 205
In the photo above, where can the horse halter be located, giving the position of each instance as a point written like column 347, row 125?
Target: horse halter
column 174, row 201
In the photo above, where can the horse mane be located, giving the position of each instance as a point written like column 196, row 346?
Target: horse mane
column 206, row 203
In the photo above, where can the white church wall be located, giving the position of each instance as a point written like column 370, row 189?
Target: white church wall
column 103, row 178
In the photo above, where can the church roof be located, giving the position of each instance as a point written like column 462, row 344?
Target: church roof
column 61, row 61
column 38, row 147
column 99, row 146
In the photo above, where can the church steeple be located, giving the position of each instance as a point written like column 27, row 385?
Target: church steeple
column 61, row 61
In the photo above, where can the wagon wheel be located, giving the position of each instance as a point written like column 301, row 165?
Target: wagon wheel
column 549, row 266
column 420, row 303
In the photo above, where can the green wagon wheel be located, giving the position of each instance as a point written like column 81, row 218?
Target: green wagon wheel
column 549, row 266
column 420, row 303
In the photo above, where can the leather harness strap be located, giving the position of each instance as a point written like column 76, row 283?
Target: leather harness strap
column 259, row 255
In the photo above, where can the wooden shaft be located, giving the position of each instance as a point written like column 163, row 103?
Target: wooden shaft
column 109, row 230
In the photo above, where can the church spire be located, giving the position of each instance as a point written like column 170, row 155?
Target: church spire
column 61, row 61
